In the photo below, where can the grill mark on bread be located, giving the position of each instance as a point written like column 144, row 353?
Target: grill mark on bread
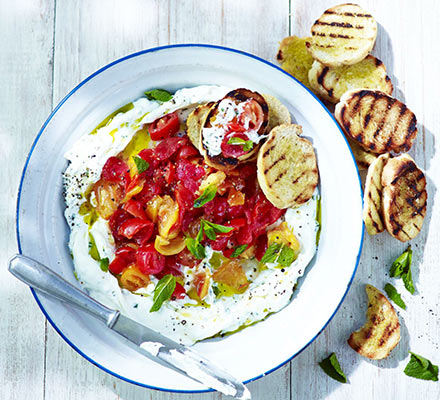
column 322, row 75
column 283, row 157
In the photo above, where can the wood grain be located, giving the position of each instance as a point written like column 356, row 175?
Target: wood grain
column 47, row 48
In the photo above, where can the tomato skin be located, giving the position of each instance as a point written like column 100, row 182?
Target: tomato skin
column 167, row 147
column 135, row 208
column 164, row 127
column 188, row 151
column 150, row 157
column 179, row 292
column 233, row 150
column 117, row 171
column 118, row 265
column 127, row 253
column 261, row 247
column 169, row 172
column 237, row 223
column 253, row 114
column 116, row 220
column 131, row 226
column 190, row 174
column 149, row 260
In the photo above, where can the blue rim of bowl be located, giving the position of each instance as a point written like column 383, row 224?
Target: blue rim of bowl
column 151, row 50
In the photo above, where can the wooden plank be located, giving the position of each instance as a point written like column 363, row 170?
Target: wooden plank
column 412, row 60
column 26, row 82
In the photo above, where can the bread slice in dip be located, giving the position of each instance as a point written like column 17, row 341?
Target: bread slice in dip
column 242, row 114
column 287, row 170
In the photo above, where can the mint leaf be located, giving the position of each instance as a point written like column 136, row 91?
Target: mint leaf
column 246, row 144
column 271, row 253
column 331, row 367
column 196, row 248
column 210, row 233
column 141, row 164
column 103, row 263
column 163, row 291
column 287, row 256
column 421, row 368
column 217, row 228
column 93, row 250
column 401, row 267
column 394, row 295
column 238, row 250
column 159, row 95
column 207, row 195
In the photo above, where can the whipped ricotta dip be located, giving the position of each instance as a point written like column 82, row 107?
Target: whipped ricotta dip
column 182, row 320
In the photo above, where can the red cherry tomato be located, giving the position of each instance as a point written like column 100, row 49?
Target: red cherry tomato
column 149, row 260
column 116, row 220
column 127, row 253
column 167, row 147
column 252, row 115
column 135, row 208
column 118, row 265
column 150, row 157
column 144, row 235
column 188, row 151
column 131, row 226
column 164, row 127
column 237, row 223
column 116, row 170
column 169, row 172
column 179, row 292
column 233, row 150
column 261, row 247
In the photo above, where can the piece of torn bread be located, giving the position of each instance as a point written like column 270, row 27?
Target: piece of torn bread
column 377, row 122
column 363, row 158
column 330, row 83
column 286, row 167
column 372, row 212
column 278, row 112
column 404, row 197
column 381, row 332
column 342, row 35
column 195, row 121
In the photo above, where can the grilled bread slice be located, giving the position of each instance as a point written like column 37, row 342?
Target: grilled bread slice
column 331, row 83
column 381, row 332
column 372, row 212
column 363, row 158
column 195, row 121
column 378, row 122
column 278, row 112
column 295, row 59
column 237, row 96
column 286, row 167
column 404, row 197
column 343, row 35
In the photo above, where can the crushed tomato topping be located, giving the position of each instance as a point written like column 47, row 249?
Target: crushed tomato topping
column 154, row 211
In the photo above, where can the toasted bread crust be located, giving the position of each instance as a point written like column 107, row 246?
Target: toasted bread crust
column 227, row 163
column 278, row 112
column 377, row 122
column 286, row 167
column 195, row 122
column 381, row 332
column 343, row 35
column 404, row 197
column 363, row 158
column 372, row 212
column 331, row 83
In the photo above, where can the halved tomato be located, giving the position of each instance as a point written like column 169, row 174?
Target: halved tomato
column 234, row 150
column 252, row 116
column 135, row 208
column 116, row 170
column 149, row 260
column 164, row 127
column 131, row 226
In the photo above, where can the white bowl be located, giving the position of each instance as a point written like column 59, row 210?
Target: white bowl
column 42, row 232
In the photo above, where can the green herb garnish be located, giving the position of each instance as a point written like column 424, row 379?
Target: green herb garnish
column 159, row 95
column 104, row 263
column 421, row 368
column 207, row 195
column 238, row 250
column 331, row 367
column 401, row 267
column 271, row 253
column 209, row 229
column 246, row 144
column 394, row 295
column 141, row 164
column 163, row 291
column 286, row 257
column 318, row 219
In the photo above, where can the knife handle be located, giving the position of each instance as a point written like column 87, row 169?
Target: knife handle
column 42, row 278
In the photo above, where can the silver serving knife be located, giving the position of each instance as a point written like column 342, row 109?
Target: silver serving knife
column 148, row 342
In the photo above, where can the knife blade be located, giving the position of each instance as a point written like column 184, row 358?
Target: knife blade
column 146, row 341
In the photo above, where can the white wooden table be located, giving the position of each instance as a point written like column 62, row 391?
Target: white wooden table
column 48, row 46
